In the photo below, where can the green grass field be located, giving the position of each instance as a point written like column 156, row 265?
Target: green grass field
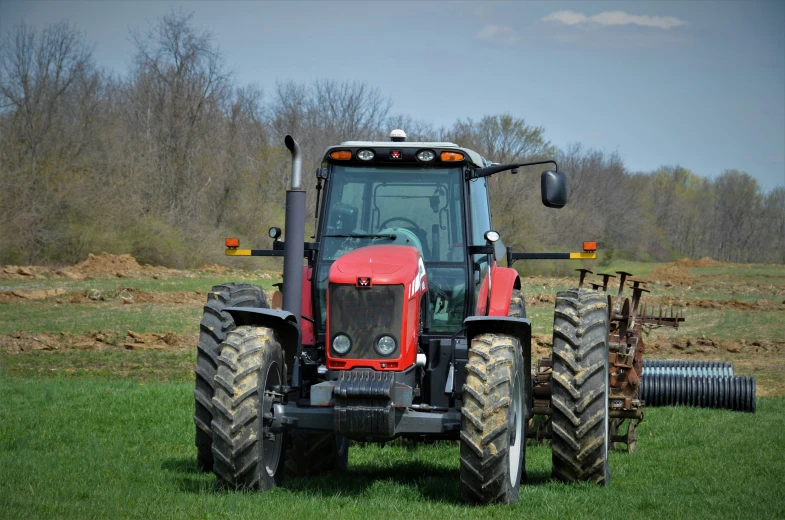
column 82, row 448
column 110, row 317
column 109, row 433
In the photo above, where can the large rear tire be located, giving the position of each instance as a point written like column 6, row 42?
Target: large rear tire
column 213, row 329
column 493, row 431
column 309, row 455
column 579, row 387
column 517, row 305
column 247, row 455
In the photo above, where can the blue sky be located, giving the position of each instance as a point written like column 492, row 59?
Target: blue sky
column 699, row 84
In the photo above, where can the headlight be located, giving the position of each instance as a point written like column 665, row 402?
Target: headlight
column 365, row 155
column 341, row 344
column 385, row 345
column 426, row 155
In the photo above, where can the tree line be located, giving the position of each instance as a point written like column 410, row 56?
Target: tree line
column 166, row 160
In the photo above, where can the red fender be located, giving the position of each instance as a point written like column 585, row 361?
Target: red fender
column 503, row 281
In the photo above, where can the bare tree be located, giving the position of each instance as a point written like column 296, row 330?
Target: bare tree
column 178, row 88
column 48, row 103
column 738, row 206
column 773, row 229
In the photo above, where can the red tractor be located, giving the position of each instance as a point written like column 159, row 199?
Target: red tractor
column 400, row 323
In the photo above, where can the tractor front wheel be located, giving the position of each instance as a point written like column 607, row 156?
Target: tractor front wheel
column 246, row 453
column 493, row 426
column 215, row 325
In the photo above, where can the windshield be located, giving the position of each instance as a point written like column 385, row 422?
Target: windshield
column 421, row 207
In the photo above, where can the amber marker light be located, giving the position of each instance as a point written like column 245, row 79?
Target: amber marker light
column 342, row 155
column 232, row 242
column 590, row 246
column 451, row 156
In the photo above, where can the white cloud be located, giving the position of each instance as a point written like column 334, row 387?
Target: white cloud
column 489, row 32
column 614, row 18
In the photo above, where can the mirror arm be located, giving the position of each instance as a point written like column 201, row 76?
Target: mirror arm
column 490, row 170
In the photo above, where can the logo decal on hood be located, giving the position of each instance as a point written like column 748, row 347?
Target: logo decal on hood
column 420, row 282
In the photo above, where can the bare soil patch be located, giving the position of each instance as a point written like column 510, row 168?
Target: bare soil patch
column 677, row 272
column 125, row 295
column 689, row 346
column 19, row 342
column 654, row 302
column 105, row 265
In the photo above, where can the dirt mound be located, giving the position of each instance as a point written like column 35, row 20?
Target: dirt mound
column 677, row 272
column 653, row 303
column 125, row 295
column 129, row 295
column 95, row 340
column 35, row 294
column 706, row 262
column 705, row 345
column 30, row 272
column 105, row 265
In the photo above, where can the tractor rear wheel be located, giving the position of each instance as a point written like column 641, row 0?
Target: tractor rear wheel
column 517, row 305
column 213, row 329
column 579, row 387
column 309, row 455
column 493, row 431
column 247, row 455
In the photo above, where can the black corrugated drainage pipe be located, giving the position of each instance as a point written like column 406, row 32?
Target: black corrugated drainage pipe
column 688, row 368
column 732, row 393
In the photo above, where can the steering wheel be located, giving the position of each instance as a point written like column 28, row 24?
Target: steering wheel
column 408, row 221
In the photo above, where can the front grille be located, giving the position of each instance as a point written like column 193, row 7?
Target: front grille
column 364, row 314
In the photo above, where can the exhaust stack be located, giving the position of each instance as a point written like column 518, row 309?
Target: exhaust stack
column 295, row 235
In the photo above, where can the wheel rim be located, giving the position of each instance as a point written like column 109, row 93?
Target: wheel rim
column 272, row 444
column 516, row 431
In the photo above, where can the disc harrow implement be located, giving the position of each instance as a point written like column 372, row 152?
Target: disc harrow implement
column 634, row 381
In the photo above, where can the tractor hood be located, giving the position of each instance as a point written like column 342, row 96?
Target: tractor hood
column 373, row 292
column 383, row 265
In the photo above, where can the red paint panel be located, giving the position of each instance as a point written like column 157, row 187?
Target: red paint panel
column 502, row 284
column 306, row 327
column 482, row 297
column 503, row 281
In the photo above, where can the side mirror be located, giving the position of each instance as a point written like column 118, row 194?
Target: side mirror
column 554, row 189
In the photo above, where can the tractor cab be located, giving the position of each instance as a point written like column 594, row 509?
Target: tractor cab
column 405, row 194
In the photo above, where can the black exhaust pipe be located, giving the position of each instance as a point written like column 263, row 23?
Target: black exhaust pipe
column 294, row 243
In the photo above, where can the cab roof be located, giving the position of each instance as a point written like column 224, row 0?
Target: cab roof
column 473, row 157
